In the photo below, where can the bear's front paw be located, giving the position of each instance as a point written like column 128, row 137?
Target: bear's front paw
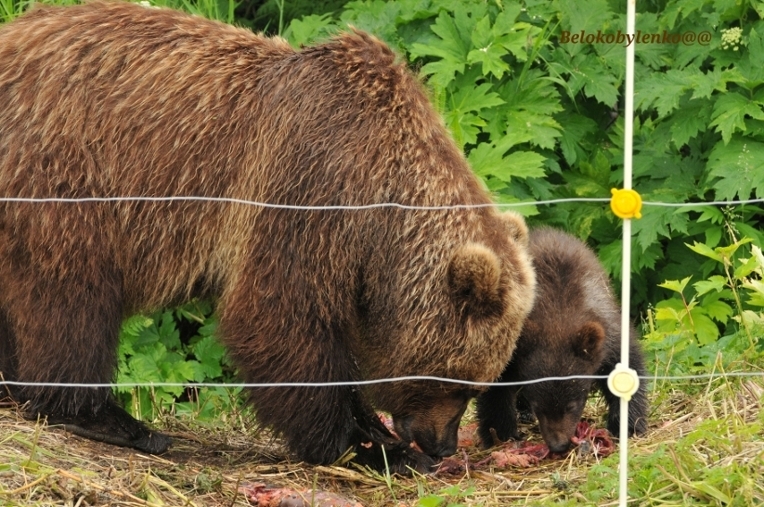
column 395, row 456
column 112, row 425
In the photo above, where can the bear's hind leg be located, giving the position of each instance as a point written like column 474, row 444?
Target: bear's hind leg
column 66, row 327
column 638, row 405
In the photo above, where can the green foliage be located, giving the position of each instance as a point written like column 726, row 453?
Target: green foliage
column 272, row 16
column 221, row 10
column 678, row 471
column 451, row 496
column 722, row 320
column 10, row 9
column 154, row 350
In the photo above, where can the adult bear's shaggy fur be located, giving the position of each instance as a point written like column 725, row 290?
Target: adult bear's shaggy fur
column 114, row 99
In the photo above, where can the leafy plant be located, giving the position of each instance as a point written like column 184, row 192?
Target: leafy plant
column 697, row 469
column 220, row 10
column 273, row 15
column 451, row 496
column 721, row 320
column 10, row 9
column 153, row 350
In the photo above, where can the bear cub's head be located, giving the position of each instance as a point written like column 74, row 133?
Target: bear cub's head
column 559, row 404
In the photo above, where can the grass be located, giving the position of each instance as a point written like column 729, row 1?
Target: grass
column 705, row 446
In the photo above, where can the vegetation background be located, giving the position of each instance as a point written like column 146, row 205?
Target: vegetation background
column 540, row 119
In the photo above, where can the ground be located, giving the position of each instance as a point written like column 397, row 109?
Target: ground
column 228, row 463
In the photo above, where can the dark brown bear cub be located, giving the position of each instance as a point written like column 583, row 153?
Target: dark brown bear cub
column 573, row 329
column 112, row 99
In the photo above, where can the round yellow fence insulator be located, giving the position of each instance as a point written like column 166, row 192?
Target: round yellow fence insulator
column 626, row 203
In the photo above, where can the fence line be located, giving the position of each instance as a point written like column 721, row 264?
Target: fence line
column 229, row 200
column 350, row 207
column 347, row 383
column 623, row 433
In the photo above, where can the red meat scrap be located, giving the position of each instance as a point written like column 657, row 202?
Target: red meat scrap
column 261, row 495
column 598, row 439
column 519, row 454
column 467, row 436
column 525, row 454
column 587, row 439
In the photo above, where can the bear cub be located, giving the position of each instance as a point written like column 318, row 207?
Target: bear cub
column 574, row 328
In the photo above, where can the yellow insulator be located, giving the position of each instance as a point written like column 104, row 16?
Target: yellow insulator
column 626, row 203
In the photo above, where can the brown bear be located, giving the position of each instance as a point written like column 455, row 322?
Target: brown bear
column 574, row 328
column 105, row 100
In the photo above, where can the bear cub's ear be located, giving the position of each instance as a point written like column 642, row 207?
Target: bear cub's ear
column 516, row 225
column 474, row 277
column 589, row 341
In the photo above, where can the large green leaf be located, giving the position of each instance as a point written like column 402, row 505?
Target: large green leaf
column 737, row 168
column 451, row 48
column 730, row 111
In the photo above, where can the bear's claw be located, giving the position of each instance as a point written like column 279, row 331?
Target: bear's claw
column 385, row 451
column 111, row 425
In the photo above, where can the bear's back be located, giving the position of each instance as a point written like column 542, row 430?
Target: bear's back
column 105, row 100
column 148, row 100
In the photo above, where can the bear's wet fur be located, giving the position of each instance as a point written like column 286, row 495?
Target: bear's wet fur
column 114, row 99
column 574, row 328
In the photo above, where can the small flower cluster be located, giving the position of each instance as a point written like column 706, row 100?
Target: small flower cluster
column 731, row 38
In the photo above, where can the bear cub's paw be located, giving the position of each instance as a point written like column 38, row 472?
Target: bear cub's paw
column 637, row 420
column 112, row 425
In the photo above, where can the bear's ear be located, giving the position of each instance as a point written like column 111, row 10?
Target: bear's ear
column 474, row 277
column 516, row 225
column 588, row 343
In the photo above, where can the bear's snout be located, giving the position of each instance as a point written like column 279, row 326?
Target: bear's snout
column 425, row 435
column 559, row 447
column 556, row 438
column 434, row 425
column 557, row 432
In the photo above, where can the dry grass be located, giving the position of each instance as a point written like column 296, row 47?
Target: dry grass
column 208, row 466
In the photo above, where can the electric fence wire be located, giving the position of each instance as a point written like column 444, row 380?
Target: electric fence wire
column 75, row 200
column 354, row 383
column 349, row 207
